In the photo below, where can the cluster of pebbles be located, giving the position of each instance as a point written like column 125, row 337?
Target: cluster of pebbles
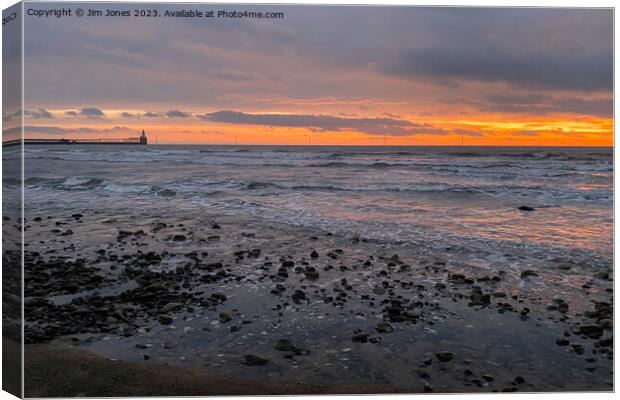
column 158, row 273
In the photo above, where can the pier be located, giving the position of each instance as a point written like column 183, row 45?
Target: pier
column 141, row 140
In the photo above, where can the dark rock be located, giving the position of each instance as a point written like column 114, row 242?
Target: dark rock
column 225, row 317
column 128, row 331
column 527, row 273
column 478, row 298
column 252, row 360
column 159, row 226
column 602, row 275
column 593, row 331
column 171, row 306
column 167, row 193
column 360, row 337
column 562, row 341
column 384, row 327
column 379, row 290
column 312, row 275
column 298, row 296
column 526, row 208
column 179, row 238
column 560, row 305
column 578, row 348
column 314, row 254
column 285, row 345
column 221, row 297
column 278, row 289
column 414, row 313
column 445, row 356
column 165, row 319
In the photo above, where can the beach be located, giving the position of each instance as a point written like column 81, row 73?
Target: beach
column 319, row 270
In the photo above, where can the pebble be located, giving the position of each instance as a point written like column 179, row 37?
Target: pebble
column 527, row 273
column 285, row 345
column 445, row 356
column 225, row 316
column 384, row 327
column 253, row 360
column 360, row 337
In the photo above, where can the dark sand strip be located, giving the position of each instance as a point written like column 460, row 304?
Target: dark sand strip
column 58, row 370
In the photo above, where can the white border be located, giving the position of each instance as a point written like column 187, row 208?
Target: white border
column 480, row 3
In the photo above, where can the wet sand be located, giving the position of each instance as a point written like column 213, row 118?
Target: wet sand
column 171, row 297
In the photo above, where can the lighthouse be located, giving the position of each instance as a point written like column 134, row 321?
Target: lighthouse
column 143, row 139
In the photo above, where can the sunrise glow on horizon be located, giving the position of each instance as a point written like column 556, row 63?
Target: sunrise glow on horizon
column 477, row 131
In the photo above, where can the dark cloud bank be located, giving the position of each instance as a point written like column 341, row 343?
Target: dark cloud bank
column 585, row 72
column 325, row 123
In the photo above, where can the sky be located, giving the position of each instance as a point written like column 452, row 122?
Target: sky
column 325, row 75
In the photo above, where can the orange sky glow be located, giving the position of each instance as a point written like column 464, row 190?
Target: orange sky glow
column 496, row 130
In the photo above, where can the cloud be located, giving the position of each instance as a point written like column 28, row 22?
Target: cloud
column 527, row 133
column 35, row 114
column 487, row 63
column 412, row 57
column 129, row 115
column 91, row 112
column 15, row 130
column 177, row 114
column 71, row 113
column 325, row 123
column 468, row 132
column 544, row 104
column 8, row 117
column 57, row 130
column 38, row 114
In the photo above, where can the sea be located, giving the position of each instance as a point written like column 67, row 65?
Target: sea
column 464, row 197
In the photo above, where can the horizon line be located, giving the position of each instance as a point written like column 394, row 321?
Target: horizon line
column 14, row 142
